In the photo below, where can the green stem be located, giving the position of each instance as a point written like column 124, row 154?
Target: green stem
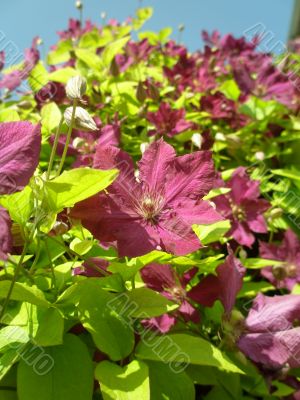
column 64, row 155
column 54, row 148
column 17, row 271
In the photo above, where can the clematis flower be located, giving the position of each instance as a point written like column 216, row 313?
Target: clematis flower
column 223, row 286
column 167, row 121
column 272, row 334
column 164, row 279
column 287, row 274
column 11, row 80
column 243, row 207
column 20, row 144
column 5, row 234
column 158, row 210
column 270, row 83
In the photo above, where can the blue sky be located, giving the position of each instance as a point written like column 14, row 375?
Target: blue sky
column 20, row 20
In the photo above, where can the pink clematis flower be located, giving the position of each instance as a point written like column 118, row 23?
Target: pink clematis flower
column 5, row 234
column 20, row 144
column 243, row 207
column 164, row 279
column 271, row 336
column 287, row 274
column 223, row 286
column 167, row 121
column 157, row 210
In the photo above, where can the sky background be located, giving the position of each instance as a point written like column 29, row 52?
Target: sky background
column 21, row 20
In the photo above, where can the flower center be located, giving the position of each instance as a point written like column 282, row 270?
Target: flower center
column 285, row 270
column 238, row 212
column 150, row 207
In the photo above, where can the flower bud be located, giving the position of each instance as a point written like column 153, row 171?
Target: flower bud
column 78, row 5
column 181, row 27
column 82, row 119
column 76, row 87
column 259, row 155
column 220, row 137
column 197, row 140
column 103, row 15
column 141, row 93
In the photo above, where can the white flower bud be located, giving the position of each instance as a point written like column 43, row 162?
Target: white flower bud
column 78, row 5
column 76, row 87
column 181, row 27
column 197, row 140
column 259, row 155
column 103, row 15
column 220, row 137
column 82, row 119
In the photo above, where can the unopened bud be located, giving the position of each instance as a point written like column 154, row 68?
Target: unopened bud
column 78, row 5
column 259, row 155
column 39, row 41
column 220, row 137
column 76, row 87
column 82, row 119
column 103, row 15
column 197, row 140
column 181, row 27
column 114, row 68
column 141, row 93
column 154, row 92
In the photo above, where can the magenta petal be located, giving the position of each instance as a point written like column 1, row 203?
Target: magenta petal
column 241, row 233
column 191, row 175
column 206, row 292
column 158, row 277
column 155, row 163
column 162, row 323
column 5, row 234
column 20, row 144
column 230, row 275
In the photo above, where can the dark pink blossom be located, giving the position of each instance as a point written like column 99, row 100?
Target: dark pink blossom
column 164, row 279
column 20, row 144
column 2, row 59
column 243, row 207
column 270, row 83
column 11, row 81
column 32, row 57
column 5, row 234
column 223, row 286
column 167, row 121
column 272, row 336
column 158, row 209
column 287, row 274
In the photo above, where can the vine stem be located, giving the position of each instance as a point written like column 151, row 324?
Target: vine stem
column 16, row 274
column 54, row 148
column 64, row 155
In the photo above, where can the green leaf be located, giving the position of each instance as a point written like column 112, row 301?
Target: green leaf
column 111, row 332
column 292, row 174
column 167, row 384
column 50, row 328
column 183, row 349
column 61, row 53
column 76, row 185
column 90, row 58
column 63, row 75
column 8, row 360
column 213, row 232
column 19, row 205
column 230, row 89
column 9, row 114
column 146, row 303
column 62, row 372
column 51, row 116
column 257, row 263
column 128, row 383
column 216, row 192
column 81, row 247
column 22, row 292
column 112, row 49
column 38, row 77
column 142, row 15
